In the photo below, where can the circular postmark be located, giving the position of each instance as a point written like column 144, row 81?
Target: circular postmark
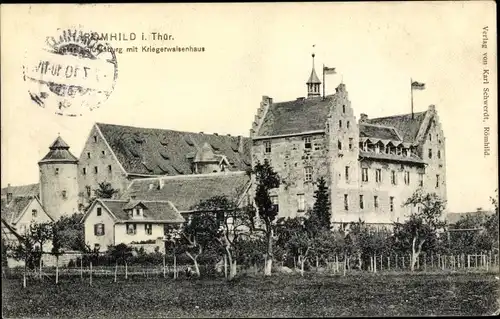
column 72, row 73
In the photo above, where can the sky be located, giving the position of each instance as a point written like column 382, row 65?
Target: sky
column 251, row 50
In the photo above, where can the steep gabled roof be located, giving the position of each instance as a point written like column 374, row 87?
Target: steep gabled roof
column 292, row 117
column 159, row 211
column 149, row 151
column 185, row 192
column 406, row 126
column 379, row 132
column 13, row 210
column 23, row 190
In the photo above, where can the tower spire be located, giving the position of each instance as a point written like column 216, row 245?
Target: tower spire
column 313, row 83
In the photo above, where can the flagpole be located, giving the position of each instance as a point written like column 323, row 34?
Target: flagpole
column 411, row 94
column 323, row 81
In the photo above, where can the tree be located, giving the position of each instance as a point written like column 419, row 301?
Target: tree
column 233, row 225
column 320, row 216
column 41, row 234
column 104, row 190
column 420, row 231
column 266, row 179
column 71, row 231
column 197, row 235
column 23, row 250
column 294, row 237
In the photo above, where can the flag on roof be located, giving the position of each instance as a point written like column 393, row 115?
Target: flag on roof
column 417, row 85
column 328, row 70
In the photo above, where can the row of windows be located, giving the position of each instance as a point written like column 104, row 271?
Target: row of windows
column 437, row 138
column 362, row 202
column 301, row 203
column 131, row 229
column 103, row 153
column 394, row 175
column 438, row 153
column 96, row 170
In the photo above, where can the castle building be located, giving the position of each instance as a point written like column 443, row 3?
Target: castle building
column 119, row 154
column 372, row 166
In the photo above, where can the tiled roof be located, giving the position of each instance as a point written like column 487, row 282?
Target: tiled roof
column 59, row 152
column 391, row 157
column 9, row 233
column 406, row 126
column 185, row 192
column 23, row 190
column 152, row 151
column 12, row 211
column 154, row 211
column 301, row 115
column 377, row 131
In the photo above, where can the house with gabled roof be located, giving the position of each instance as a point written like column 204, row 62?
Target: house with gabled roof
column 150, row 205
column 119, row 154
column 371, row 165
column 20, row 212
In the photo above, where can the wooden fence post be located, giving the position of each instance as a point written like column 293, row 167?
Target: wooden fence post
column 81, row 268
column 116, row 269
column 403, row 263
column 317, row 263
column 345, row 264
column 389, row 263
column 91, row 273
column 126, row 270
column 225, row 266
column 164, row 269
column 381, row 258
column 396, row 262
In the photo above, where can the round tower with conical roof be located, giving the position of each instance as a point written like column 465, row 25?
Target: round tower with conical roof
column 58, row 180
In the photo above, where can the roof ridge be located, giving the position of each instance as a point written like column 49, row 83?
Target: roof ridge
column 396, row 115
column 178, row 131
column 191, row 176
column 378, row 125
column 305, row 99
column 111, row 200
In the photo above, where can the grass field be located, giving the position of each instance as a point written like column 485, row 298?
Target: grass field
column 277, row 296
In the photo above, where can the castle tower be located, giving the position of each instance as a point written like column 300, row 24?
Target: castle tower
column 58, row 180
column 313, row 83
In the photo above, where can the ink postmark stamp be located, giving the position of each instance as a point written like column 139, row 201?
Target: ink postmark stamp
column 71, row 73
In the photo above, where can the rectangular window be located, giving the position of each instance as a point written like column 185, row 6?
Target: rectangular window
column 430, row 152
column 267, row 146
column 148, row 228
column 308, row 174
column 364, row 174
column 275, row 202
column 361, row 203
column 340, row 123
column 378, row 175
column 391, row 203
column 89, row 191
column 57, row 171
column 437, row 181
column 350, row 142
column 103, row 153
column 84, row 171
column 34, row 213
column 109, row 168
column 88, row 155
column 343, row 108
column 393, row 178
column 346, row 202
column 375, row 202
column 95, row 138
column 430, row 137
column 95, row 169
column 131, row 229
column 99, row 211
column 339, row 144
column 348, row 124
column 63, row 193
column 347, row 173
column 301, row 203
column 307, row 142
column 420, row 179
column 99, row 229
column 439, row 154
column 407, row 178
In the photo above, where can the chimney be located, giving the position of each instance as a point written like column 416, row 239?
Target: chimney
column 363, row 117
column 9, row 193
column 216, row 134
